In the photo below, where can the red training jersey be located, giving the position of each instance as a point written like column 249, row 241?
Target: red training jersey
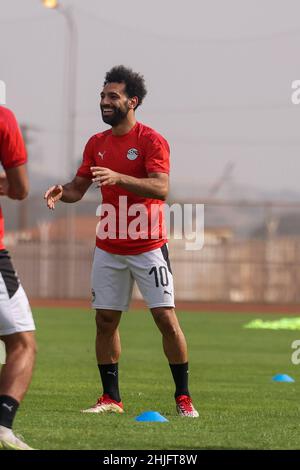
column 12, row 150
column 125, row 228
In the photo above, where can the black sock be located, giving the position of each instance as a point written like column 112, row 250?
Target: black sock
column 8, row 409
column 110, row 380
column 180, row 375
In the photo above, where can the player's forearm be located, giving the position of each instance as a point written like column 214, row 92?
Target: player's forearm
column 17, row 195
column 70, row 193
column 14, row 183
column 147, row 187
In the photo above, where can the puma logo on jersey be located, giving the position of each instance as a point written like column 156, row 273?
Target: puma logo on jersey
column 102, row 154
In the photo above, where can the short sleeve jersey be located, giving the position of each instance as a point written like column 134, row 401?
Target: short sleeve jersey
column 129, row 224
column 12, row 149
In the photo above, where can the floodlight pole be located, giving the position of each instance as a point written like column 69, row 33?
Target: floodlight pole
column 70, row 92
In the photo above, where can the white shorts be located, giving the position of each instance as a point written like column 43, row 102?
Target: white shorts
column 113, row 277
column 15, row 311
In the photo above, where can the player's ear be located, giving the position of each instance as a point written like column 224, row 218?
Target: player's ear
column 133, row 102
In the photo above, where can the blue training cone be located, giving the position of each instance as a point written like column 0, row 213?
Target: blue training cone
column 282, row 378
column 152, row 416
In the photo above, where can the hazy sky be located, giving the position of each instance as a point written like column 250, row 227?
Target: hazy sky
column 218, row 73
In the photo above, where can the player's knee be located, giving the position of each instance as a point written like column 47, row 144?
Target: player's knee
column 21, row 343
column 170, row 330
column 105, row 323
column 32, row 347
column 166, row 321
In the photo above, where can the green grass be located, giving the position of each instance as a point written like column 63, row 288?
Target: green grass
column 230, row 381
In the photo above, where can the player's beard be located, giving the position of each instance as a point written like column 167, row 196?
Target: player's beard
column 116, row 117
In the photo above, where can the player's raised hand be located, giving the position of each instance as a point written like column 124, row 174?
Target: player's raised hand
column 104, row 176
column 52, row 195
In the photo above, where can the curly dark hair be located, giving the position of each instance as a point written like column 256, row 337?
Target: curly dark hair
column 134, row 82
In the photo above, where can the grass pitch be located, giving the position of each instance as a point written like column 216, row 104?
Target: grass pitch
column 230, row 381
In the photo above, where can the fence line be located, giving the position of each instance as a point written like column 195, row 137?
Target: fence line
column 232, row 270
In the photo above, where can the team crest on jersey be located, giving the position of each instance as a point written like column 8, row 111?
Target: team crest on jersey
column 132, row 154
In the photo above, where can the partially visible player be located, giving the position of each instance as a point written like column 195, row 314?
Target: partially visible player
column 16, row 322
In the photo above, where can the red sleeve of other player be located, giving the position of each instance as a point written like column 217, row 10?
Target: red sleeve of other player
column 12, row 147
